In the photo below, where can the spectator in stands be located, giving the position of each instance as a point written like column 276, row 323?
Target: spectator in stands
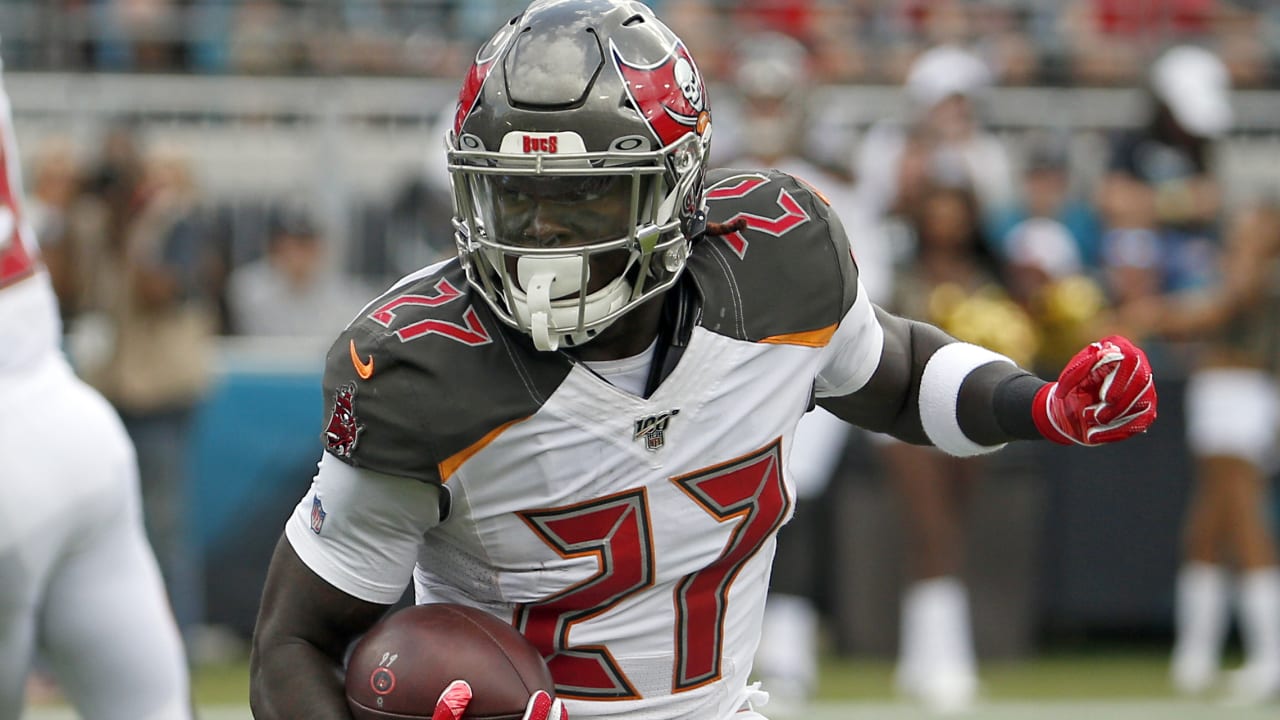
column 1047, row 193
column 476, row 19
column 1241, row 39
column 1111, row 39
column 1160, row 198
column 953, row 282
column 373, row 33
column 942, row 141
column 418, row 229
column 1047, row 277
column 208, row 30
column 136, row 34
column 1003, row 39
column 292, row 291
column 823, row 28
column 261, row 39
column 701, row 24
column 59, row 217
column 115, row 176
column 156, row 368
column 905, row 28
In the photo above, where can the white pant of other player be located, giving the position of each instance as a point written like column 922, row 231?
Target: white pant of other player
column 78, row 582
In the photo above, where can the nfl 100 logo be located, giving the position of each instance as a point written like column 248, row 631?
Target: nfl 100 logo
column 653, row 429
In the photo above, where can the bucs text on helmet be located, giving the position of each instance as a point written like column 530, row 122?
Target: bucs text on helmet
column 577, row 157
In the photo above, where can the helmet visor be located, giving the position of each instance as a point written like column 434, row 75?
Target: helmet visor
column 546, row 211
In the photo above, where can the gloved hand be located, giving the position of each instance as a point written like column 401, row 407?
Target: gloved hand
column 455, row 698
column 1104, row 394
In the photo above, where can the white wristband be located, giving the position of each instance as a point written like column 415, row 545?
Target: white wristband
column 940, row 392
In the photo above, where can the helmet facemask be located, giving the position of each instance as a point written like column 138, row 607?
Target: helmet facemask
column 562, row 245
column 593, row 113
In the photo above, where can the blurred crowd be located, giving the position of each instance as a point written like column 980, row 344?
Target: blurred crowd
column 1009, row 244
column 1005, row 245
column 1089, row 42
column 134, row 214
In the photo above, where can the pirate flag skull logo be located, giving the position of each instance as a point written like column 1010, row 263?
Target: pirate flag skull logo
column 670, row 94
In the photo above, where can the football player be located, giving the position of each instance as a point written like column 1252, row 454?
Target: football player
column 78, row 581
column 580, row 424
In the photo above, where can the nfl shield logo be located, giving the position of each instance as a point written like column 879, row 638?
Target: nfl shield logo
column 317, row 515
column 653, row 429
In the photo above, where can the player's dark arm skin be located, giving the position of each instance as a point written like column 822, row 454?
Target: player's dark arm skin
column 304, row 627
column 994, row 404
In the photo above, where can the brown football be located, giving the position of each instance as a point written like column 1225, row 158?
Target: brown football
column 400, row 667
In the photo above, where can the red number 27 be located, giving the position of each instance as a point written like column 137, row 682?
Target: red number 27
column 617, row 532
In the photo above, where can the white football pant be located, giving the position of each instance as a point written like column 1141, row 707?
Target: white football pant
column 78, row 581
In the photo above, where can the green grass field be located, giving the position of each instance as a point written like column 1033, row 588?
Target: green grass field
column 1078, row 686
column 1076, row 676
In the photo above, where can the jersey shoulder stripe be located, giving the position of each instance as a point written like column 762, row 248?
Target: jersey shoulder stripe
column 785, row 273
column 426, row 376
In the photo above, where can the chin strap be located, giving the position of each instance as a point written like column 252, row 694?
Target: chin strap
column 538, row 297
column 547, row 301
column 545, row 279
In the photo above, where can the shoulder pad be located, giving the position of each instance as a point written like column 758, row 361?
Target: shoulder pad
column 426, row 376
column 787, row 275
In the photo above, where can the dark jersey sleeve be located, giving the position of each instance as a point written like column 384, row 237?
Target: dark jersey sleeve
column 781, row 269
column 427, row 376
column 377, row 417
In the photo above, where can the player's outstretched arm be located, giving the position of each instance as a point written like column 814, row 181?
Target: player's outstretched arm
column 929, row 388
column 304, row 627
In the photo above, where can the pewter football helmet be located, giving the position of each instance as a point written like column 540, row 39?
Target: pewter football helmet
column 579, row 146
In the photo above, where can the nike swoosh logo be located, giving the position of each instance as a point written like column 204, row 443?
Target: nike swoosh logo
column 363, row 369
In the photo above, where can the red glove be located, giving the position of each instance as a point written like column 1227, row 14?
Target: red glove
column 455, row 698
column 1105, row 394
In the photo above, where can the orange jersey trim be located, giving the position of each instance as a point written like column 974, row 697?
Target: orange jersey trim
column 451, row 464
column 813, row 189
column 809, row 338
